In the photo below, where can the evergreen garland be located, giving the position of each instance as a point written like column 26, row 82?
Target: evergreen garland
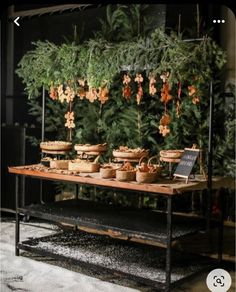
column 122, row 48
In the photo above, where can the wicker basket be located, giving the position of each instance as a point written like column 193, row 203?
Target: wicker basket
column 130, row 155
column 151, row 175
column 107, row 172
column 125, row 175
column 171, row 153
column 56, row 145
column 83, row 166
column 146, row 177
column 59, row 164
column 91, row 148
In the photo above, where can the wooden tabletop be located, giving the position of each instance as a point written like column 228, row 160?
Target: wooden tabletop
column 162, row 186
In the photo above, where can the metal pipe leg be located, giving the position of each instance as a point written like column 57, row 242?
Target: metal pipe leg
column 41, row 192
column 17, row 226
column 76, row 192
column 168, row 243
column 76, row 197
column 221, row 227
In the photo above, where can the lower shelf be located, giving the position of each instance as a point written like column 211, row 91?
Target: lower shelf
column 144, row 264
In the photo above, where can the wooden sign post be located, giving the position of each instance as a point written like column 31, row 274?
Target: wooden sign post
column 186, row 163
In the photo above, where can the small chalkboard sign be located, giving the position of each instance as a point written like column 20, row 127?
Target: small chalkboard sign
column 186, row 163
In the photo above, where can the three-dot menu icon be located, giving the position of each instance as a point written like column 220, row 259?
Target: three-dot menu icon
column 218, row 21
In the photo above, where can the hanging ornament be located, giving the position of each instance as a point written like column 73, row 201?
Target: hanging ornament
column 178, row 107
column 165, row 98
column 61, row 95
column 83, row 88
column 165, row 93
column 103, row 94
column 152, row 82
column 165, row 119
column 164, row 130
column 164, row 76
column 53, row 93
column 70, row 94
column 196, row 100
column 139, row 80
column 81, row 82
column 126, row 91
column 164, row 122
column 81, row 93
column 91, row 95
column 69, row 120
column 193, row 92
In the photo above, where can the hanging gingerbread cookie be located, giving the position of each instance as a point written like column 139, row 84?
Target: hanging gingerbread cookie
column 126, row 91
column 139, row 80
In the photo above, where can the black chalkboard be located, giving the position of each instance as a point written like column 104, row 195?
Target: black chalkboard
column 187, row 162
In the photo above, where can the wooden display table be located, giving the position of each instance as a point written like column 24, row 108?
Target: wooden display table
column 126, row 223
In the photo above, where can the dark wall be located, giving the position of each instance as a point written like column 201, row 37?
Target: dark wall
column 17, row 150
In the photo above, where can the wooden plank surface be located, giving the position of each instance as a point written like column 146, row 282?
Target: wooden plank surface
column 163, row 186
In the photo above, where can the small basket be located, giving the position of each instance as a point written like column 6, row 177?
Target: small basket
column 125, row 175
column 91, row 148
column 130, row 154
column 56, row 145
column 158, row 168
column 84, row 166
column 147, row 176
column 59, row 164
column 107, row 172
column 174, row 154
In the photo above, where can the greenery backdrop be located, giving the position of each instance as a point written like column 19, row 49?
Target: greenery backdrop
column 128, row 44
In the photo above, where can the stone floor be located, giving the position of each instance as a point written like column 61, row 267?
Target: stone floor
column 198, row 243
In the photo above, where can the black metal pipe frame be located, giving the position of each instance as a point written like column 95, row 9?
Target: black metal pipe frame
column 42, row 138
column 210, row 146
column 17, row 227
column 168, row 243
column 221, row 226
column 76, row 191
column 76, row 197
column 209, row 180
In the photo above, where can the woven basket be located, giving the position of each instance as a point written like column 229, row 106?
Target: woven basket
column 158, row 167
column 124, row 175
column 171, row 153
column 107, row 172
column 59, row 164
column 56, row 145
column 148, row 177
column 130, row 155
column 91, row 148
column 83, row 166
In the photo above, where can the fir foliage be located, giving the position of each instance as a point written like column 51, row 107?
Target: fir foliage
column 127, row 44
